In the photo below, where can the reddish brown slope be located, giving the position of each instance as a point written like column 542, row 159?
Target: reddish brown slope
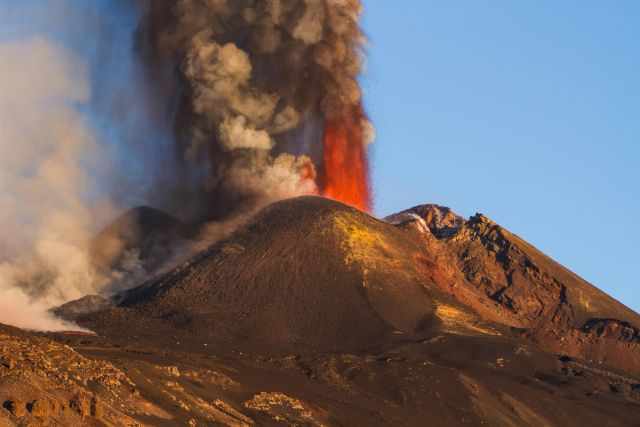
column 321, row 315
column 508, row 281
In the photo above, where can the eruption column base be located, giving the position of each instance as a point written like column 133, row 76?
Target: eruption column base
column 345, row 174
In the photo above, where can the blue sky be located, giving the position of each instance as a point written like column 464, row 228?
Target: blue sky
column 525, row 111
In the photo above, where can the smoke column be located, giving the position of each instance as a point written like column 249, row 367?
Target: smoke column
column 207, row 109
column 253, row 78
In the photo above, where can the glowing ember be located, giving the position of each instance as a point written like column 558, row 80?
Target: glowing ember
column 345, row 175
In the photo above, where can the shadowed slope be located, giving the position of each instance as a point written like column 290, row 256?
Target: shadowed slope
column 308, row 272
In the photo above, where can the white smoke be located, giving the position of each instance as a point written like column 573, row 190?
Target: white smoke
column 79, row 142
column 45, row 150
column 22, row 311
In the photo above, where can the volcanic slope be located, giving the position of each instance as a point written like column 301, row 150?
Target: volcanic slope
column 308, row 273
column 508, row 281
column 317, row 314
column 312, row 273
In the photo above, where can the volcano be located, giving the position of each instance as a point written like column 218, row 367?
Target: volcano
column 142, row 229
column 308, row 273
column 316, row 313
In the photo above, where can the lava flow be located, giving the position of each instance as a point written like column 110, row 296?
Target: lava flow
column 345, row 174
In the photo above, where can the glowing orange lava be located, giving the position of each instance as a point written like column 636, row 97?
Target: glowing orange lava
column 345, row 174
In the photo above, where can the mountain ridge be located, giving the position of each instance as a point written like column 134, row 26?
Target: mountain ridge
column 315, row 313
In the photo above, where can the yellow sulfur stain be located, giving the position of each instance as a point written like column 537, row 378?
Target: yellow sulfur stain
column 363, row 245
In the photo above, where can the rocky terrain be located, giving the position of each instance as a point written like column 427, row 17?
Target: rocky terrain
column 508, row 281
column 316, row 314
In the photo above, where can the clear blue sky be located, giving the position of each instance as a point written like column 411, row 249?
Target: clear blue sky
column 528, row 112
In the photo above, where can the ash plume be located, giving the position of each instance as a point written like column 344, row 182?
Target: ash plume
column 253, row 79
